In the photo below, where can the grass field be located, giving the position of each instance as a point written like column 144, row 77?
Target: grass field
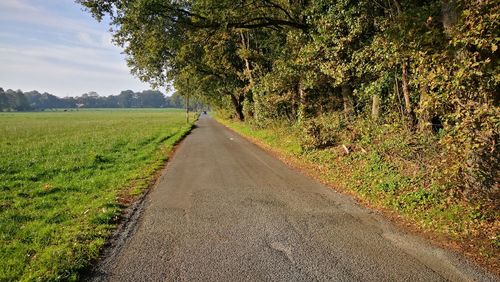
column 61, row 175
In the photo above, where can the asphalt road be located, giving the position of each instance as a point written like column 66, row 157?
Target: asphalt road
column 225, row 210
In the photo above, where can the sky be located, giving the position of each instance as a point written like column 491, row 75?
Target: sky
column 55, row 46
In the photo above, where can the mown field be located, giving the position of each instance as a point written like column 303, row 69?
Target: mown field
column 62, row 175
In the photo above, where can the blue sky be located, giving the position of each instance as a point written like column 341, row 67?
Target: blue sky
column 54, row 46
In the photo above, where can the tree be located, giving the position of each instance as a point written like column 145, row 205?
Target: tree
column 155, row 32
column 20, row 102
column 152, row 99
column 125, row 99
column 4, row 100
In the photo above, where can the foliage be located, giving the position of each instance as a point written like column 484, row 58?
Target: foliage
column 61, row 179
column 322, row 132
column 11, row 100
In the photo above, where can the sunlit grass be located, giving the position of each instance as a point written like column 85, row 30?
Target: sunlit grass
column 60, row 176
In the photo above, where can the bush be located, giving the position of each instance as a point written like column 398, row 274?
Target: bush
column 322, row 132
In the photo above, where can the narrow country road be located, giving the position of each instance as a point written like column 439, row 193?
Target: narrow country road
column 225, row 210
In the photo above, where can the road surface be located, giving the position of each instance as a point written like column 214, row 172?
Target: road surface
column 225, row 210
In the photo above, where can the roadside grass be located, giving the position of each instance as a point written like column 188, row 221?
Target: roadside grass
column 390, row 170
column 61, row 178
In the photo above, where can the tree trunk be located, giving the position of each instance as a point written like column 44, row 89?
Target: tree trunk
column 248, row 66
column 400, row 102
column 245, row 42
column 238, row 107
column 406, row 94
column 375, row 107
column 302, row 110
column 424, row 119
column 187, row 108
column 449, row 15
column 347, row 99
column 398, row 6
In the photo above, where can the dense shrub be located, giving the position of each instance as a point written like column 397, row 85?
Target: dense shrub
column 322, row 132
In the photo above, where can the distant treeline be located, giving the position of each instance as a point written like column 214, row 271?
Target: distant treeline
column 11, row 100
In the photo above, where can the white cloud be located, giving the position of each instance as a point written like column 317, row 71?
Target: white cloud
column 16, row 6
column 85, row 38
column 70, row 56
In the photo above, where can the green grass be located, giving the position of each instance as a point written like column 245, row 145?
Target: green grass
column 61, row 174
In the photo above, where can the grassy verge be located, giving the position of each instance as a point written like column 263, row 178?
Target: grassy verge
column 61, row 179
column 387, row 169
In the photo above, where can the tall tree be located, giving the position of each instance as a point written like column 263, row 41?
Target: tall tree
column 4, row 100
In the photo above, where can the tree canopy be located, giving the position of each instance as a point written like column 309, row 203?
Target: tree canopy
column 428, row 65
column 11, row 100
